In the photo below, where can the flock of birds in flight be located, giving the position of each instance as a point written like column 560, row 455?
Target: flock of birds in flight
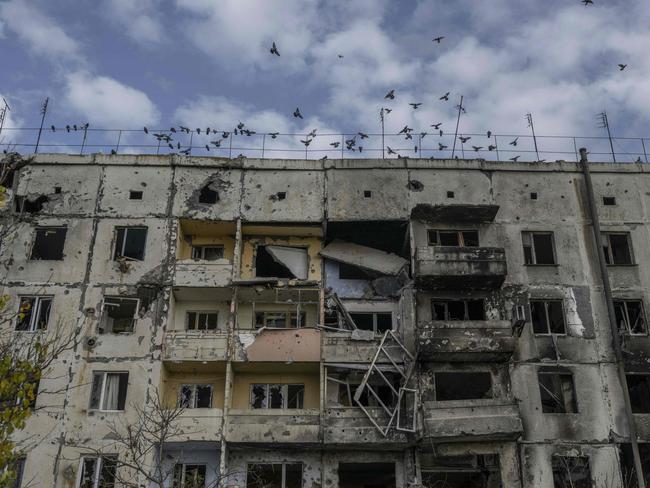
column 351, row 144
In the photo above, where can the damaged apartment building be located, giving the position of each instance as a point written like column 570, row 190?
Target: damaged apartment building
column 337, row 323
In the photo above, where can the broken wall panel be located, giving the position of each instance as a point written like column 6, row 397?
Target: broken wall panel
column 364, row 257
column 189, row 180
column 280, row 345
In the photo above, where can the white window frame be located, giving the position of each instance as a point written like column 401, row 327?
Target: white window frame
column 127, row 228
column 193, row 397
column 546, row 301
column 285, row 396
column 35, row 311
column 627, row 326
column 529, row 235
column 99, row 461
column 284, row 471
column 137, row 308
column 198, row 312
column 102, row 395
column 201, row 251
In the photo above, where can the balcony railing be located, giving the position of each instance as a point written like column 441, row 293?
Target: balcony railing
column 194, row 346
column 199, row 425
column 350, row 426
column 273, row 426
column 190, row 273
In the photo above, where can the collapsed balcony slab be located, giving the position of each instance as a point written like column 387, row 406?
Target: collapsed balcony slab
column 364, row 257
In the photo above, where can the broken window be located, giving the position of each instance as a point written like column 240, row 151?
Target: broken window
column 266, row 396
column 195, row 396
column 547, row 317
column 208, row 195
column 23, row 204
column 135, row 195
column 378, row 322
column 454, row 385
column 539, row 247
column 350, row 272
column 118, row 315
column 98, row 472
column 630, row 317
column 108, row 391
column 201, row 320
column 276, row 475
column 571, row 472
column 617, row 247
column 557, row 392
column 281, row 262
column 207, row 253
column 130, row 243
column 48, row 243
column 33, row 313
column 189, row 475
column 462, row 471
column 458, row 309
column 639, row 387
column 280, row 319
column 609, row 200
column 384, row 394
column 367, row 475
column 456, row 238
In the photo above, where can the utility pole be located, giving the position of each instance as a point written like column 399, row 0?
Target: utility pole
column 43, row 112
column 381, row 117
column 529, row 118
column 604, row 124
column 460, row 109
column 618, row 352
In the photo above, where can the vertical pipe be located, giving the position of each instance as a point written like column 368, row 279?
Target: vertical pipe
column 645, row 155
column 342, row 144
column 496, row 143
column 263, row 144
column 83, row 142
column 230, row 146
column 612, row 317
column 119, row 138
column 191, row 138
column 382, row 134
column 575, row 149
column 460, row 108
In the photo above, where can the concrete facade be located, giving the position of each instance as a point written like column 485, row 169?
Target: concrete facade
column 479, row 418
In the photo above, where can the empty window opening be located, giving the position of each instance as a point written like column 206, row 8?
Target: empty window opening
column 538, row 247
column 456, row 238
column 207, row 320
column 207, row 253
column 208, row 196
column 130, row 243
column 18, row 469
column 189, row 475
column 571, row 471
column 475, row 385
column 24, row 204
column 49, row 243
column 108, row 391
column 617, row 247
column 281, row 195
column 557, row 392
column 458, row 309
column 98, row 472
column 57, row 190
column 450, row 194
column 281, row 262
column 195, row 396
column 272, row 396
column 639, row 388
column 275, row 475
column 533, row 195
column 367, row 193
column 345, row 384
column 379, row 322
column 350, row 272
column 135, row 195
column 462, row 471
column 630, row 317
column 367, row 475
column 118, row 315
column 609, row 200
column 280, row 319
column 33, row 313
column 628, row 473
column 547, row 317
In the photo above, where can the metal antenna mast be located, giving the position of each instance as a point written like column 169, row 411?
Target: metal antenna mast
column 3, row 113
column 604, row 124
column 460, row 109
column 381, row 117
column 43, row 112
column 529, row 118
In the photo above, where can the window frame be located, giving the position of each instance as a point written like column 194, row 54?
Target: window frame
column 194, row 396
column 560, row 374
column 555, row 468
column 300, row 317
column 102, row 395
column 459, row 235
column 133, row 320
column 285, row 396
column 35, row 312
column 375, row 319
column 609, row 255
column 99, row 462
column 196, row 320
column 45, row 228
column 628, row 330
column 546, row 301
column 445, row 303
column 127, row 228
column 473, row 371
column 531, row 234
column 184, row 472
column 284, row 472
column 203, row 247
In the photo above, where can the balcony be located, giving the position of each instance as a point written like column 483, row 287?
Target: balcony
column 273, row 426
column 343, row 347
column 199, row 425
column 460, row 267
column 466, row 340
column 349, row 426
column 473, row 420
column 194, row 346
column 201, row 274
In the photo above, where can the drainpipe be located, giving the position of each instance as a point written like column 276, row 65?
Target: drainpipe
column 612, row 318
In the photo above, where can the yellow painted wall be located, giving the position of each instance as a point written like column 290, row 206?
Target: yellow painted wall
column 228, row 243
column 173, row 381
column 243, row 382
column 181, row 308
column 313, row 245
column 245, row 313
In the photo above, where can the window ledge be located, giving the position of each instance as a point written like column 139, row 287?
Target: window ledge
column 555, row 265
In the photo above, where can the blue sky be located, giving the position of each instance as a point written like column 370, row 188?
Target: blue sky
column 200, row 63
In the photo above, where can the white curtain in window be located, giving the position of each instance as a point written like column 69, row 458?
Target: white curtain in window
column 111, row 395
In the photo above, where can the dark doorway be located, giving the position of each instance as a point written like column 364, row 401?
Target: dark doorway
column 366, row 475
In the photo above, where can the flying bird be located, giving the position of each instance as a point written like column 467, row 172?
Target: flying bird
column 441, row 147
column 363, row 135
column 515, row 158
column 408, row 136
column 216, row 143
column 445, row 97
column 422, row 134
column 438, row 39
column 335, row 144
column 436, row 126
column 415, row 105
column 390, row 151
column 491, row 147
column 405, row 130
column 514, row 143
column 312, row 134
column 240, row 126
column 388, row 110
column 390, row 95
column 172, row 129
column 621, row 67
column 340, row 56
column 477, row 148
column 306, row 142
column 225, row 135
column 297, row 114
column 464, row 139
column 588, row 2
column 273, row 134
column 274, row 49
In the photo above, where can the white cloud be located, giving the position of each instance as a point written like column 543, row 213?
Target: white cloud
column 105, row 102
column 41, row 34
column 140, row 19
